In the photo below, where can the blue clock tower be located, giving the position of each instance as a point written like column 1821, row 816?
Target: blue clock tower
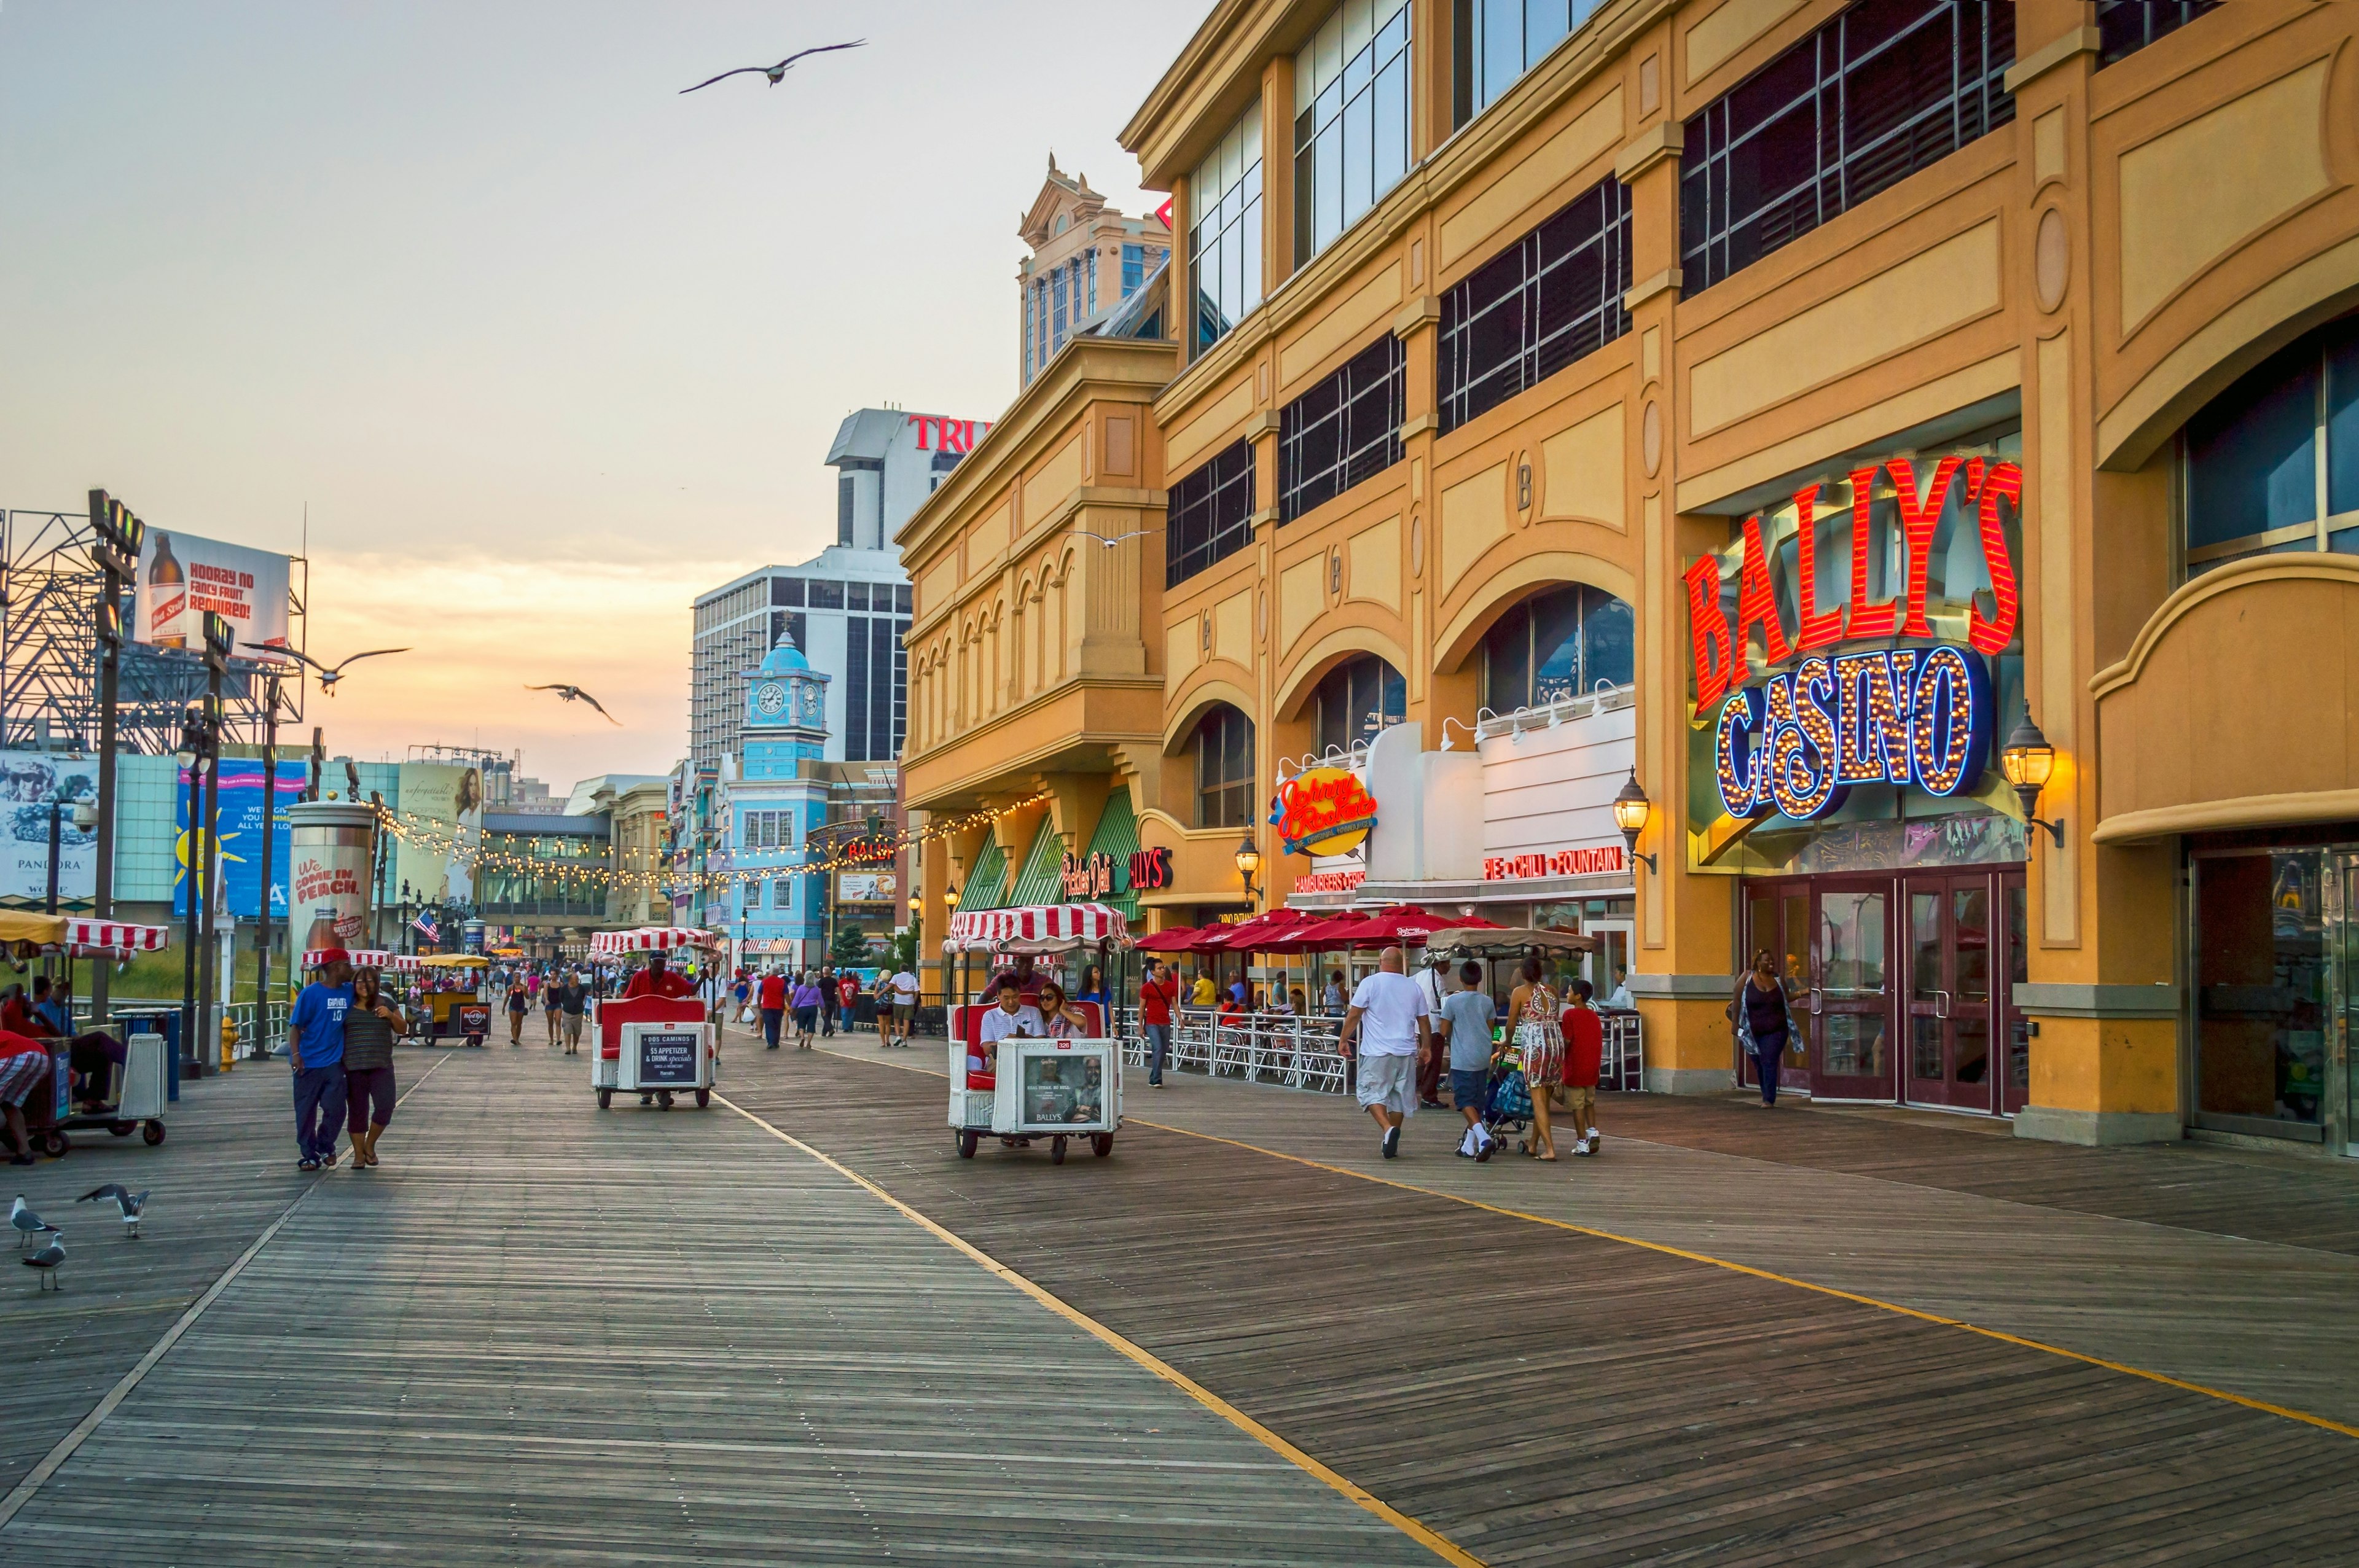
column 772, row 803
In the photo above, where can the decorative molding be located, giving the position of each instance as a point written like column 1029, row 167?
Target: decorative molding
column 1418, row 427
column 1688, row 1080
column 2048, row 999
column 2079, row 40
column 1663, row 282
column 2098, row 1129
column 2328, row 566
column 2222, row 815
column 1663, row 139
column 1425, row 311
column 1265, row 422
column 1651, row 983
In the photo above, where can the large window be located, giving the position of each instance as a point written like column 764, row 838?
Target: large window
column 1557, row 644
column 2273, row 462
column 1344, row 430
column 1356, row 700
column 1225, row 768
column 1498, row 40
column 1210, row 515
column 1351, row 119
column 1225, row 245
column 2125, row 26
column 1886, row 89
column 2264, row 933
column 1552, row 296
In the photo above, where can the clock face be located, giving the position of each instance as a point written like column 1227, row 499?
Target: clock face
column 770, row 697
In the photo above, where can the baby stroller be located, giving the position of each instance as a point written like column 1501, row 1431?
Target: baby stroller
column 1506, row 1098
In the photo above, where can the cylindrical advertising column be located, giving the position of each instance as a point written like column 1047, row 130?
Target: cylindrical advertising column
column 328, row 885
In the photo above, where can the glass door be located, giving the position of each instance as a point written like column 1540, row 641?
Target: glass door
column 1851, row 999
column 2011, row 1028
column 2340, row 884
column 1777, row 917
column 1951, row 1002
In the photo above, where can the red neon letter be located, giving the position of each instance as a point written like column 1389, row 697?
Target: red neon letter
column 1818, row 628
column 1916, row 526
column 1866, row 620
column 1719, row 663
column 1993, row 637
column 1756, row 603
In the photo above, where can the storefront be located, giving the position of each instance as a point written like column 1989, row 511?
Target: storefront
column 2274, row 950
column 1848, row 701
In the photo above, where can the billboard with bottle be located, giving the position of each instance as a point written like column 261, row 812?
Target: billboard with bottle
column 183, row 575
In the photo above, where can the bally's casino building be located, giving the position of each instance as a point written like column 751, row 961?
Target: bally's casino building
column 1899, row 456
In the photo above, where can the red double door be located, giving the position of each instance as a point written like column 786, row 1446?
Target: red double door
column 1901, row 987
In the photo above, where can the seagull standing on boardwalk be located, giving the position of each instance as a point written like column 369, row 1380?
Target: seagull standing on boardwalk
column 129, row 1204
column 575, row 694
column 26, row 1224
column 47, row 1260
column 775, row 72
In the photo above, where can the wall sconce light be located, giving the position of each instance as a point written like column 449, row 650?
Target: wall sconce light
column 1248, row 863
column 950, row 896
column 1631, row 810
column 2027, row 761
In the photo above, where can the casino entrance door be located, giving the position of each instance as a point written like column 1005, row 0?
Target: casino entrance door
column 1901, row 987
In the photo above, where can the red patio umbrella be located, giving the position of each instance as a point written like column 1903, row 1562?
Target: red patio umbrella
column 1403, row 923
column 1250, row 935
column 1175, row 939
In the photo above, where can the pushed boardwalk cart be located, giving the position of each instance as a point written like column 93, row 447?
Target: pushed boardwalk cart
column 130, row 1075
column 654, row 1047
column 1022, row 1088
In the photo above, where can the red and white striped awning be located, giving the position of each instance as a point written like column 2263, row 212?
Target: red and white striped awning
column 113, row 936
column 648, row 939
column 371, row 958
column 1057, row 924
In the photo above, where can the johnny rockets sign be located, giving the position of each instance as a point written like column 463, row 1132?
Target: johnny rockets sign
column 1323, row 811
column 1933, row 538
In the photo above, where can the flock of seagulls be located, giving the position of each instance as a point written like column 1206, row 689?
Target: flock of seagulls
column 49, row 1243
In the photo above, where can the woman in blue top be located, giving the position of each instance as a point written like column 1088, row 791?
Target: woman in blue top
column 805, row 1002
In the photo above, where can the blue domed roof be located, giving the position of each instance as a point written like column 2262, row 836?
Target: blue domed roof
column 785, row 658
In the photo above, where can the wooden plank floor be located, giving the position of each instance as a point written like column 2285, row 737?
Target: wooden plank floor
column 543, row 1333
column 224, row 1171
column 2268, row 1320
column 1541, row 1396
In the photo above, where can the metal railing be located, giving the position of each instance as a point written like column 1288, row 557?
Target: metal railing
column 243, row 1011
column 1306, row 1053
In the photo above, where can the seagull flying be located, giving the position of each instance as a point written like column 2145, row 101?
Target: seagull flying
column 130, row 1205
column 575, row 694
column 47, row 1260
column 328, row 675
column 777, row 72
column 27, row 1224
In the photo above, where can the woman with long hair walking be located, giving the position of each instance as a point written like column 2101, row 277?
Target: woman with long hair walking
column 370, row 1029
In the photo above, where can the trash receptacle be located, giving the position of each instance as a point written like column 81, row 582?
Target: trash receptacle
column 165, row 1021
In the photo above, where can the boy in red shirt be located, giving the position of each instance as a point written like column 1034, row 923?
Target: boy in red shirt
column 1584, row 1052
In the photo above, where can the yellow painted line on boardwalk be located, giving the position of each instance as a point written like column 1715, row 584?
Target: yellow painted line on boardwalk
column 2286, row 1411
column 1440, row 1545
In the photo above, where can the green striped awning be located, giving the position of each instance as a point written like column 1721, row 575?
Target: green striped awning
column 987, row 884
column 1043, row 879
column 1117, row 839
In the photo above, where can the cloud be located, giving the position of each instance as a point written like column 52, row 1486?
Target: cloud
column 482, row 627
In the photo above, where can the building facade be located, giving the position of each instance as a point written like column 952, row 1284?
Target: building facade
column 769, row 805
column 1086, row 259
column 1872, row 378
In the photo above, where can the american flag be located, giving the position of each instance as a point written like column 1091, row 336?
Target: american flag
column 426, row 928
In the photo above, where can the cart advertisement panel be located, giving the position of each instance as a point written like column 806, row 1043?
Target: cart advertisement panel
column 668, row 1058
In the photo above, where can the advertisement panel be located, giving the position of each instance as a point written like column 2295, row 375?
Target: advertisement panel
column 330, row 844
column 239, row 825
column 442, row 811
column 863, row 887
column 183, row 575
column 28, row 782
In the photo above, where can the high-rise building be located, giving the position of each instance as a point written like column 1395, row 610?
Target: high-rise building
column 846, row 608
column 1087, row 259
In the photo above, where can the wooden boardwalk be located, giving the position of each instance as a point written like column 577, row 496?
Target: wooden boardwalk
column 1538, row 1395
column 541, row 1334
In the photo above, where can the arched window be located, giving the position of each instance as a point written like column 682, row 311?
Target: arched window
column 1356, row 700
column 2273, row 462
column 1557, row 644
column 1225, row 768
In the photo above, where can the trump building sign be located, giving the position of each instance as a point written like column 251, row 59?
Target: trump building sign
column 1854, row 651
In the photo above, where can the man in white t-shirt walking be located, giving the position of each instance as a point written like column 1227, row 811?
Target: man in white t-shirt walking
column 1394, row 1022
column 905, row 1007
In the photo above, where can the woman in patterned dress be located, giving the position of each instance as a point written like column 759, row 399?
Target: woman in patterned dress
column 1534, row 1007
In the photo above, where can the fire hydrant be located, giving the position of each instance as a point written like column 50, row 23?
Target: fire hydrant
column 228, row 1042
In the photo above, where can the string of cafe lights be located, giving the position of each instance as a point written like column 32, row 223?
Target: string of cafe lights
column 469, row 847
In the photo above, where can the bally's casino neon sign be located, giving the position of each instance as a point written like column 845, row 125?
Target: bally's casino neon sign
column 1918, row 716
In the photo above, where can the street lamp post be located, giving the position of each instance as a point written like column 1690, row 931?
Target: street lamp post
column 120, row 536
column 191, row 758
column 219, row 640
column 269, row 834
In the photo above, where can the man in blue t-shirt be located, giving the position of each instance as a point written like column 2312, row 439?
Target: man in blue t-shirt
column 315, row 1046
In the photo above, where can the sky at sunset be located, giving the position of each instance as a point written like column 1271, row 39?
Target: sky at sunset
column 543, row 347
